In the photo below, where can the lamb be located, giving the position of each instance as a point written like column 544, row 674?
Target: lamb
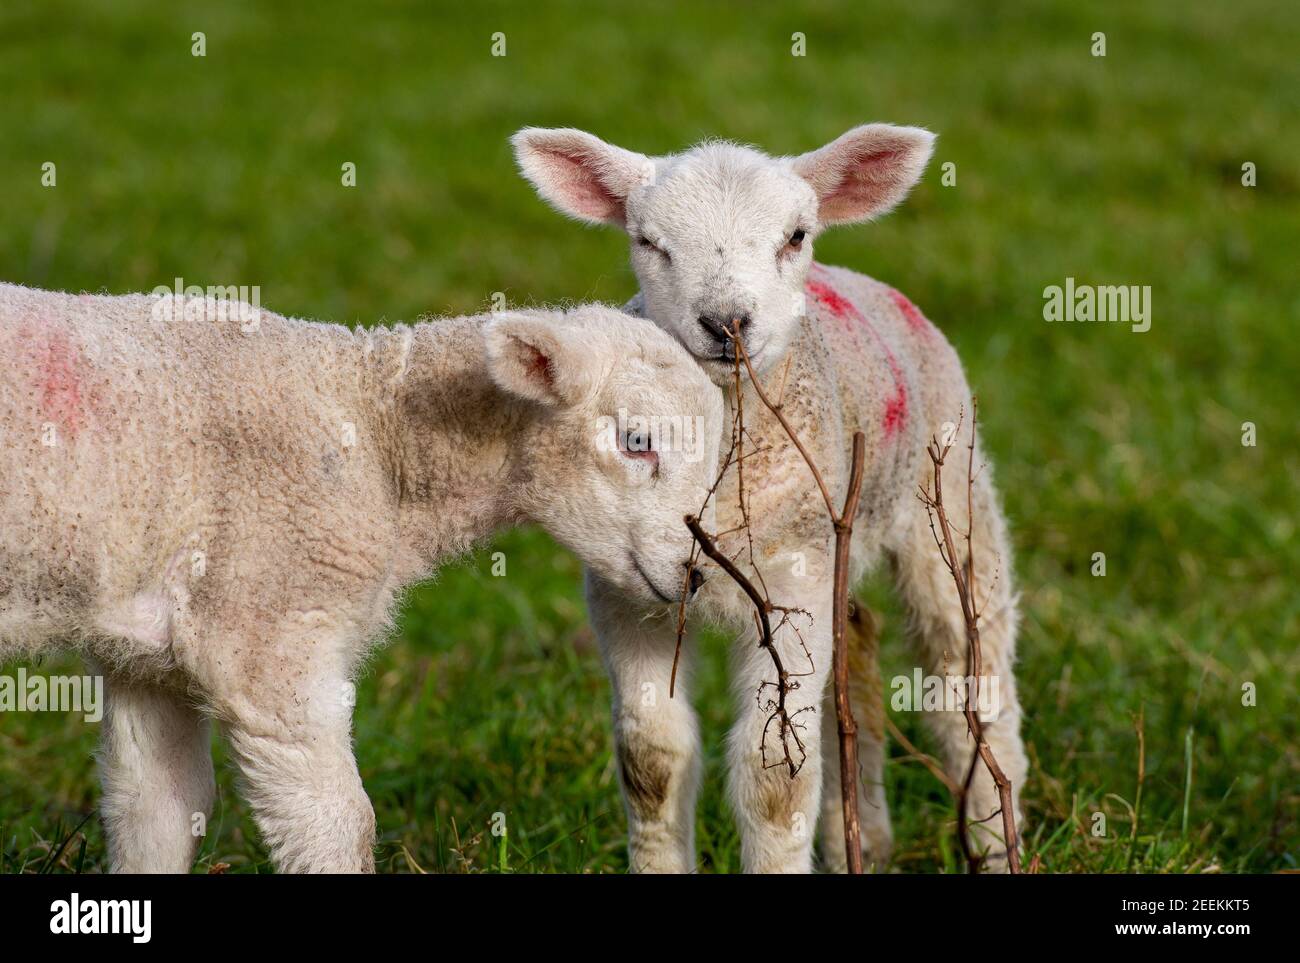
column 723, row 235
column 220, row 509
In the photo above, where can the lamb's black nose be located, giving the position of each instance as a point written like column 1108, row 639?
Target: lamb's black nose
column 718, row 327
column 697, row 579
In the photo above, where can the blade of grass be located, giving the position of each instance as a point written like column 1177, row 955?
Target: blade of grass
column 57, row 854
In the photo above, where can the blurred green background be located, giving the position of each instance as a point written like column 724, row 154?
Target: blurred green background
column 1123, row 169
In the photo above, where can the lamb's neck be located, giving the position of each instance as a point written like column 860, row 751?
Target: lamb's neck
column 455, row 452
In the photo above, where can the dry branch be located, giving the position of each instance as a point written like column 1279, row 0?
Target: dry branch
column 963, row 576
column 842, row 524
column 763, row 607
column 793, row 752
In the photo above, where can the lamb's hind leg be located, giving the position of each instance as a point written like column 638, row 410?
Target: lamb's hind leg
column 867, row 699
column 939, row 637
column 656, row 738
column 156, row 768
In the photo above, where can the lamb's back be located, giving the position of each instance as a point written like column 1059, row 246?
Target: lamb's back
column 146, row 434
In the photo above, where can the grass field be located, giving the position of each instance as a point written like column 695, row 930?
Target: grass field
column 1123, row 169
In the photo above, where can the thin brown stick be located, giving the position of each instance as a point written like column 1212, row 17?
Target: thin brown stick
column 761, row 608
column 790, row 432
column 848, row 727
column 788, row 727
column 924, row 759
column 739, row 433
column 842, row 523
column 681, row 621
column 681, row 608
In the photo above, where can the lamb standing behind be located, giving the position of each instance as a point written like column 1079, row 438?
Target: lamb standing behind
column 723, row 234
column 220, row 509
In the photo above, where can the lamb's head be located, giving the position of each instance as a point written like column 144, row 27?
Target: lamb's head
column 723, row 233
column 622, row 444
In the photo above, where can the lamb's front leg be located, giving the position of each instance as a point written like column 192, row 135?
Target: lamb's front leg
column 155, row 764
column 777, row 813
column 306, row 793
column 286, row 702
column 656, row 738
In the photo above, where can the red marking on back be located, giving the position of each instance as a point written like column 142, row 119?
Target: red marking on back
column 58, row 379
column 896, row 411
column 836, row 303
column 911, row 313
column 840, row 306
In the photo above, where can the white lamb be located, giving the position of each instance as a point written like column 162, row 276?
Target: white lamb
column 220, row 510
column 723, row 233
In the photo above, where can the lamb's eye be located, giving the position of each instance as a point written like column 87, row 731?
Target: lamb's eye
column 796, row 240
column 636, row 446
column 650, row 245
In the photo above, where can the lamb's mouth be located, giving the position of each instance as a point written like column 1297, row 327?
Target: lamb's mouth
column 727, row 359
column 648, row 581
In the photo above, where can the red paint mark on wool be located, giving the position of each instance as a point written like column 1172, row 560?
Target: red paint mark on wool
column 895, row 411
column 836, row 303
column 911, row 313
column 896, row 406
column 58, row 380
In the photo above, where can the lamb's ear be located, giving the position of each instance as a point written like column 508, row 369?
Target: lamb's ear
column 579, row 174
column 865, row 172
column 534, row 357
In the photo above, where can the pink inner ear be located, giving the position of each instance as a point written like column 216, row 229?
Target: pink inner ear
column 866, row 183
column 539, row 367
column 571, row 176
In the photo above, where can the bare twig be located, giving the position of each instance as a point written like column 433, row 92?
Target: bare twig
column 842, row 524
column 963, row 576
column 793, row 752
column 848, row 727
column 789, row 431
column 924, row 759
column 762, row 609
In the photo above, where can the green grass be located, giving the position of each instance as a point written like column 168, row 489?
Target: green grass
column 226, row 170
